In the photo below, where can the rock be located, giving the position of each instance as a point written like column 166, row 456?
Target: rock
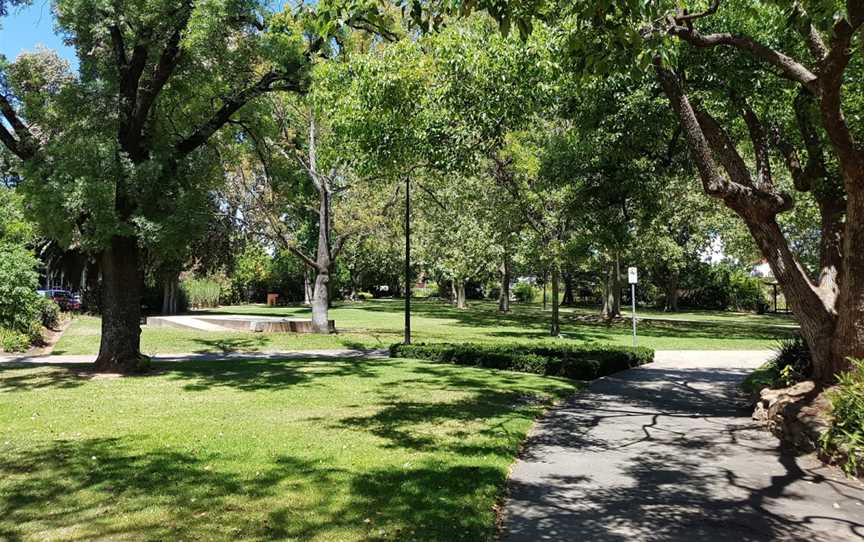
column 796, row 415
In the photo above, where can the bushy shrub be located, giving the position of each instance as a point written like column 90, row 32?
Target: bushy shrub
column 431, row 290
column 845, row 440
column 722, row 287
column 19, row 302
column 202, row 293
column 791, row 363
column 580, row 362
column 13, row 341
column 526, row 293
column 49, row 313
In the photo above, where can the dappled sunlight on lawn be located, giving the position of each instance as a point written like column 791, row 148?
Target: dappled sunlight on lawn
column 378, row 323
column 340, row 449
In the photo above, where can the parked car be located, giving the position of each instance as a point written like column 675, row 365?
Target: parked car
column 64, row 299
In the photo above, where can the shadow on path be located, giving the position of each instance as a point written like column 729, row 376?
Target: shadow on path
column 664, row 453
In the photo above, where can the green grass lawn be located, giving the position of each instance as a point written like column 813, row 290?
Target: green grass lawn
column 377, row 324
column 263, row 450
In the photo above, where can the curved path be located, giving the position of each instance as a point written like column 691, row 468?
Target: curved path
column 664, row 453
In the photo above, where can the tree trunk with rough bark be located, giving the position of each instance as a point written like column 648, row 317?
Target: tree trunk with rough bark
column 830, row 306
column 671, row 293
column 321, row 302
column 555, row 328
column 504, row 295
column 308, row 291
column 170, row 292
column 569, row 297
column 612, row 289
column 122, row 287
column 460, row 294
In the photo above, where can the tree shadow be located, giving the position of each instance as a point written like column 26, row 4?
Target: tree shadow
column 234, row 344
column 666, row 454
column 138, row 487
column 271, row 374
column 121, row 488
column 15, row 377
column 530, row 322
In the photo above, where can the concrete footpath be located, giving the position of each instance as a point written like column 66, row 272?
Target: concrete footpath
column 662, row 453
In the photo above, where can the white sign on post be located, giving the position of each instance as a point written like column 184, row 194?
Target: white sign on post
column 632, row 276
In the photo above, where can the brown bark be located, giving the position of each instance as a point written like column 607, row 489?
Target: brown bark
column 170, row 292
column 308, row 291
column 460, row 294
column 122, row 286
column 815, row 305
column 831, row 309
column 612, row 289
column 671, row 293
column 504, row 295
column 569, row 295
column 555, row 328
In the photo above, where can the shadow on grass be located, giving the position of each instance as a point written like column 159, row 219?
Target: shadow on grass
column 530, row 322
column 135, row 488
column 28, row 377
column 121, row 488
column 234, row 344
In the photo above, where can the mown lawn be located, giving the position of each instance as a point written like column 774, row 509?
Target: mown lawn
column 263, row 450
column 377, row 324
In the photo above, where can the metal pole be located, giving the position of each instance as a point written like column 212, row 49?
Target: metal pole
column 633, row 300
column 407, row 260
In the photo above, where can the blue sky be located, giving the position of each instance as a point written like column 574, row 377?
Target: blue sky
column 25, row 28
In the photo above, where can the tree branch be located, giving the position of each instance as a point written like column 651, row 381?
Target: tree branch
column 25, row 146
column 764, row 179
column 267, row 83
column 787, row 65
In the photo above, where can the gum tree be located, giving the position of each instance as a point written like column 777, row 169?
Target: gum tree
column 110, row 156
column 810, row 47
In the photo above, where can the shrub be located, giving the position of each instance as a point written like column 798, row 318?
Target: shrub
column 722, row 287
column 13, row 341
column 202, row 293
column 526, row 293
column 364, row 296
column 580, row 362
column 49, row 313
column 19, row 302
column 845, row 439
column 791, row 363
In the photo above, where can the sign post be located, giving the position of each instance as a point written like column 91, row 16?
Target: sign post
column 632, row 278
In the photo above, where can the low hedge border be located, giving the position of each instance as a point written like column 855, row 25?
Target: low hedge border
column 579, row 362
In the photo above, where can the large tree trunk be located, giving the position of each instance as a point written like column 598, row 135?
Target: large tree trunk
column 308, row 291
column 831, row 320
column 122, row 286
column 555, row 329
column 671, row 294
column 848, row 340
column 612, row 289
column 323, row 264
column 321, row 302
column 504, row 295
column 460, row 294
column 170, row 291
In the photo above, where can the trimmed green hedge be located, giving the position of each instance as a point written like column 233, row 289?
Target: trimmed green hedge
column 579, row 362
